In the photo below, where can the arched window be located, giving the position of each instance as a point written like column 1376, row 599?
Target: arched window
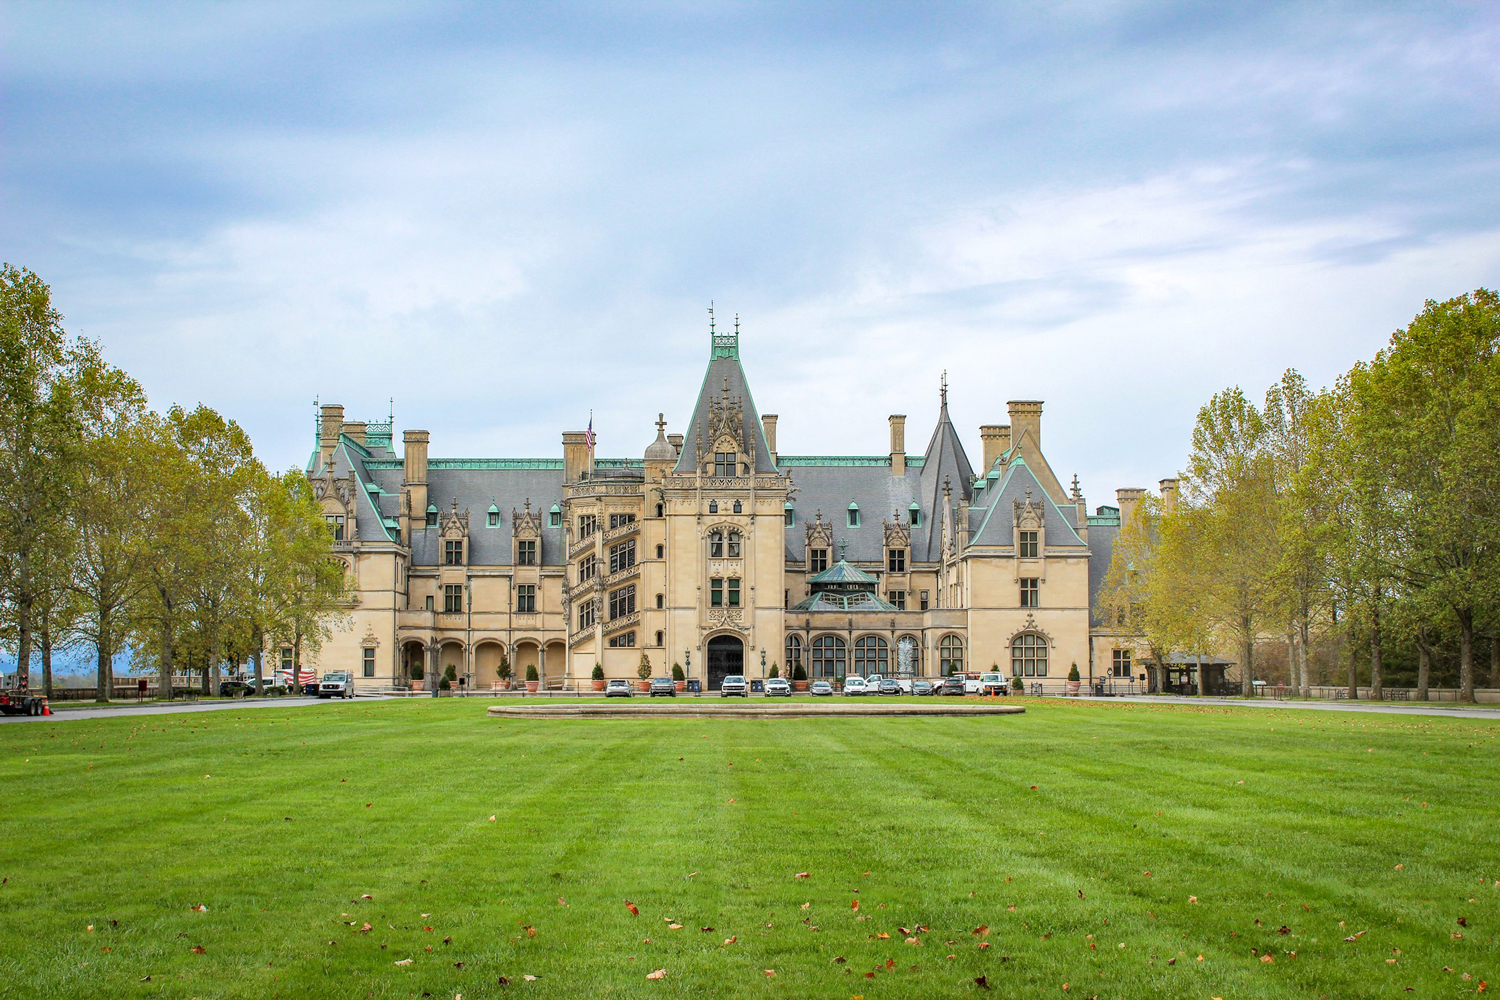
column 713, row 506
column 793, row 653
column 1028, row 655
column 716, row 545
column 828, row 656
column 872, row 655
column 734, row 545
column 661, row 510
column 661, row 637
column 908, row 657
column 950, row 655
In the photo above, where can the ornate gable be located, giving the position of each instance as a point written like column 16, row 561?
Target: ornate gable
column 820, row 533
column 1030, row 516
column 454, row 523
column 897, row 535
column 526, row 523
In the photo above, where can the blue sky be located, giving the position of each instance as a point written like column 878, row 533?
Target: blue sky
column 504, row 216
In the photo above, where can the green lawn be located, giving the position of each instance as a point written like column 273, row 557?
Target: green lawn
column 1266, row 834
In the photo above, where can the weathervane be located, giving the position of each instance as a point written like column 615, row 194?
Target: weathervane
column 944, row 387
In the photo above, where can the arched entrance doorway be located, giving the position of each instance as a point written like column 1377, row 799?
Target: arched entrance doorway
column 726, row 655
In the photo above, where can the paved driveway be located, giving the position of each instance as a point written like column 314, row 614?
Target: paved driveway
column 110, row 711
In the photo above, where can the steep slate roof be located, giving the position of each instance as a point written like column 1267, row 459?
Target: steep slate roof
column 830, row 487
column 945, row 459
column 724, row 370
column 1101, row 551
column 998, row 523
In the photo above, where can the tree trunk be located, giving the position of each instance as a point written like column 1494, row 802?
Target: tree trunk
column 1424, row 663
column 1247, row 658
column 1466, row 655
column 1377, row 679
column 1353, row 664
column 165, row 684
column 257, row 649
column 1495, row 661
column 1291, row 658
column 23, row 643
column 1302, row 656
column 46, row 660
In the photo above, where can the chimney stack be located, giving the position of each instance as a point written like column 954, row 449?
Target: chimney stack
column 414, row 474
column 1168, row 495
column 355, row 429
column 1128, row 498
column 768, row 424
column 898, row 444
column 330, row 425
column 996, row 439
column 575, row 455
column 675, row 440
column 1026, row 415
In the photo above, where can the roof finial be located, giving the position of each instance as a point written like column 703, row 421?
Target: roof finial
column 710, row 317
column 661, row 425
column 1076, row 494
column 843, row 548
column 943, row 390
column 390, row 413
column 736, row 324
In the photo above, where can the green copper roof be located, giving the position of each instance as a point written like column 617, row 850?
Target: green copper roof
column 842, row 572
column 844, row 460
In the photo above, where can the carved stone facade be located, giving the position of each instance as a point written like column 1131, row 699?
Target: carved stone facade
column 714, row 553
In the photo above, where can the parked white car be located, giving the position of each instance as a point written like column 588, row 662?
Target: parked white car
column 855, row 685
column 777, row 687
column 993, row 683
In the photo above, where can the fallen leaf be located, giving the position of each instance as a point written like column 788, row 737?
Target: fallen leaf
column 90, row 928
column 366, row 896
column 657, row 974
column 531, row 932
column 674, row 926
column 890, row 965
column 769, row 972
column 492, row 819
column 634, row 911
column 981, row 982
column 983, row 930
column 914, row 940
column 529, row 979
column 1192, row 899
column 731, row 940
column 402, row 961
column 802, row 875
column 1268, row 958
column 200, row 908
column 198, row 949
column 854, row 905
column 983, row 945
column 840, row 960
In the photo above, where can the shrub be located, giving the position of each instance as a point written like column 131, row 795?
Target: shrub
column 451, row 674
column 504, row 670
column 1073, row 673
column 774, row 671
column 531, row 671
column 644, row 670
column 444, row 684
column 677, row 674
column 798, row 674
column 417, row 672
column 598, row 674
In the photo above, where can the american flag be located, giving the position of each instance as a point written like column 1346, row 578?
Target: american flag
column 588, row 438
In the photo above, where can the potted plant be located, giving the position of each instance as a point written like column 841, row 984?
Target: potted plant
column 504, row 671
column 1017, row 685
column 644, row 672
column 450, row 674
column 416, row 677
column 598, row 677
column 445, row 685
column 774, row 671
column 1073, row 680
column 532, row 682
column 678, row 678
column 838, row 683
column 799, row 678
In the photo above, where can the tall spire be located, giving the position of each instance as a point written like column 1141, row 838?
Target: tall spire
column 943, row 389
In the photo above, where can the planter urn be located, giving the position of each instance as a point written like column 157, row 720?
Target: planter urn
column 598, row 684
column 799, row 685
column 531, row 686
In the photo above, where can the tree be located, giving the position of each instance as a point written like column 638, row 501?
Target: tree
column 1290, row 415
column 1220, row 547
column 1427, row 414
column 311, row 593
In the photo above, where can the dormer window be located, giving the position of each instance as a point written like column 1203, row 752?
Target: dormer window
column 895, row 560
column 492, row 519
column 725, row 463
column 432, row 515
column 1029, row 544
column 817, row 560
column 554, row 517
column 853, row 515
column 791, row 516
column 916, row 515
column 453, row 552
column 336, row 525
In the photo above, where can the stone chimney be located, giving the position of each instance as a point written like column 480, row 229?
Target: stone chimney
column 768, row 424
column 330, row 425
column 996, row 438
column 1168, row 495
column 675, row 440
column 898, row 444
column 1127, row 499
column 355, row 430
column 575, row 455
column 414, row 476
column 1026, row 415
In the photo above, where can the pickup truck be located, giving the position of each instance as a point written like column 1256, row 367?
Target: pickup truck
column 733, row 685
column 336, row 684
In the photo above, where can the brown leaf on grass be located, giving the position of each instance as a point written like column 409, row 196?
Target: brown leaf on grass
column 561, row 901
column 491, row 819
column 402, row 961
column 366, row 895
column 657, row 974
column 802, row 875
column 806, row 905
column 769, row 972
column 731, row 940
column 854, row 905
column 890, row 965
column 529, row 979
column 634, row 910
column 144, row 979
column 674, row 925
column 531, row 932
column 198, row 949
column 1284, row 930
column 839, row 960
column 503, row 980
column 447, row 940
column 983, row 945
column 1192, row 899
column 914, row 940
column 883, row 936
column 981, row 982
column 1268, row 958
column 365, row 929
column 983, row 930
column 1462, row 922
column 706, row 930
column 200, row 908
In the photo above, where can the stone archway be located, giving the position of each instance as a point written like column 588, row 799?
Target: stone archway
column 413, row 654
column 487, row 655
column 726, row 655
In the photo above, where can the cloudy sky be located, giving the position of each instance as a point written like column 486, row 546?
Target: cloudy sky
column 507, row 215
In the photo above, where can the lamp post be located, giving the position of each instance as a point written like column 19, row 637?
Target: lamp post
column 687, row 663
column 763, row 661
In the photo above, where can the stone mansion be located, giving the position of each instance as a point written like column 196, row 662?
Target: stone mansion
column 714, row 551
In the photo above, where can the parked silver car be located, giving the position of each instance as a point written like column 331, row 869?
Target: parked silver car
column 777, row 687
column 821, row 689
column 618, row 687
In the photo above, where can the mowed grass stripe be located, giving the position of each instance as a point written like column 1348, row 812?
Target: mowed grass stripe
column 596, row 812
